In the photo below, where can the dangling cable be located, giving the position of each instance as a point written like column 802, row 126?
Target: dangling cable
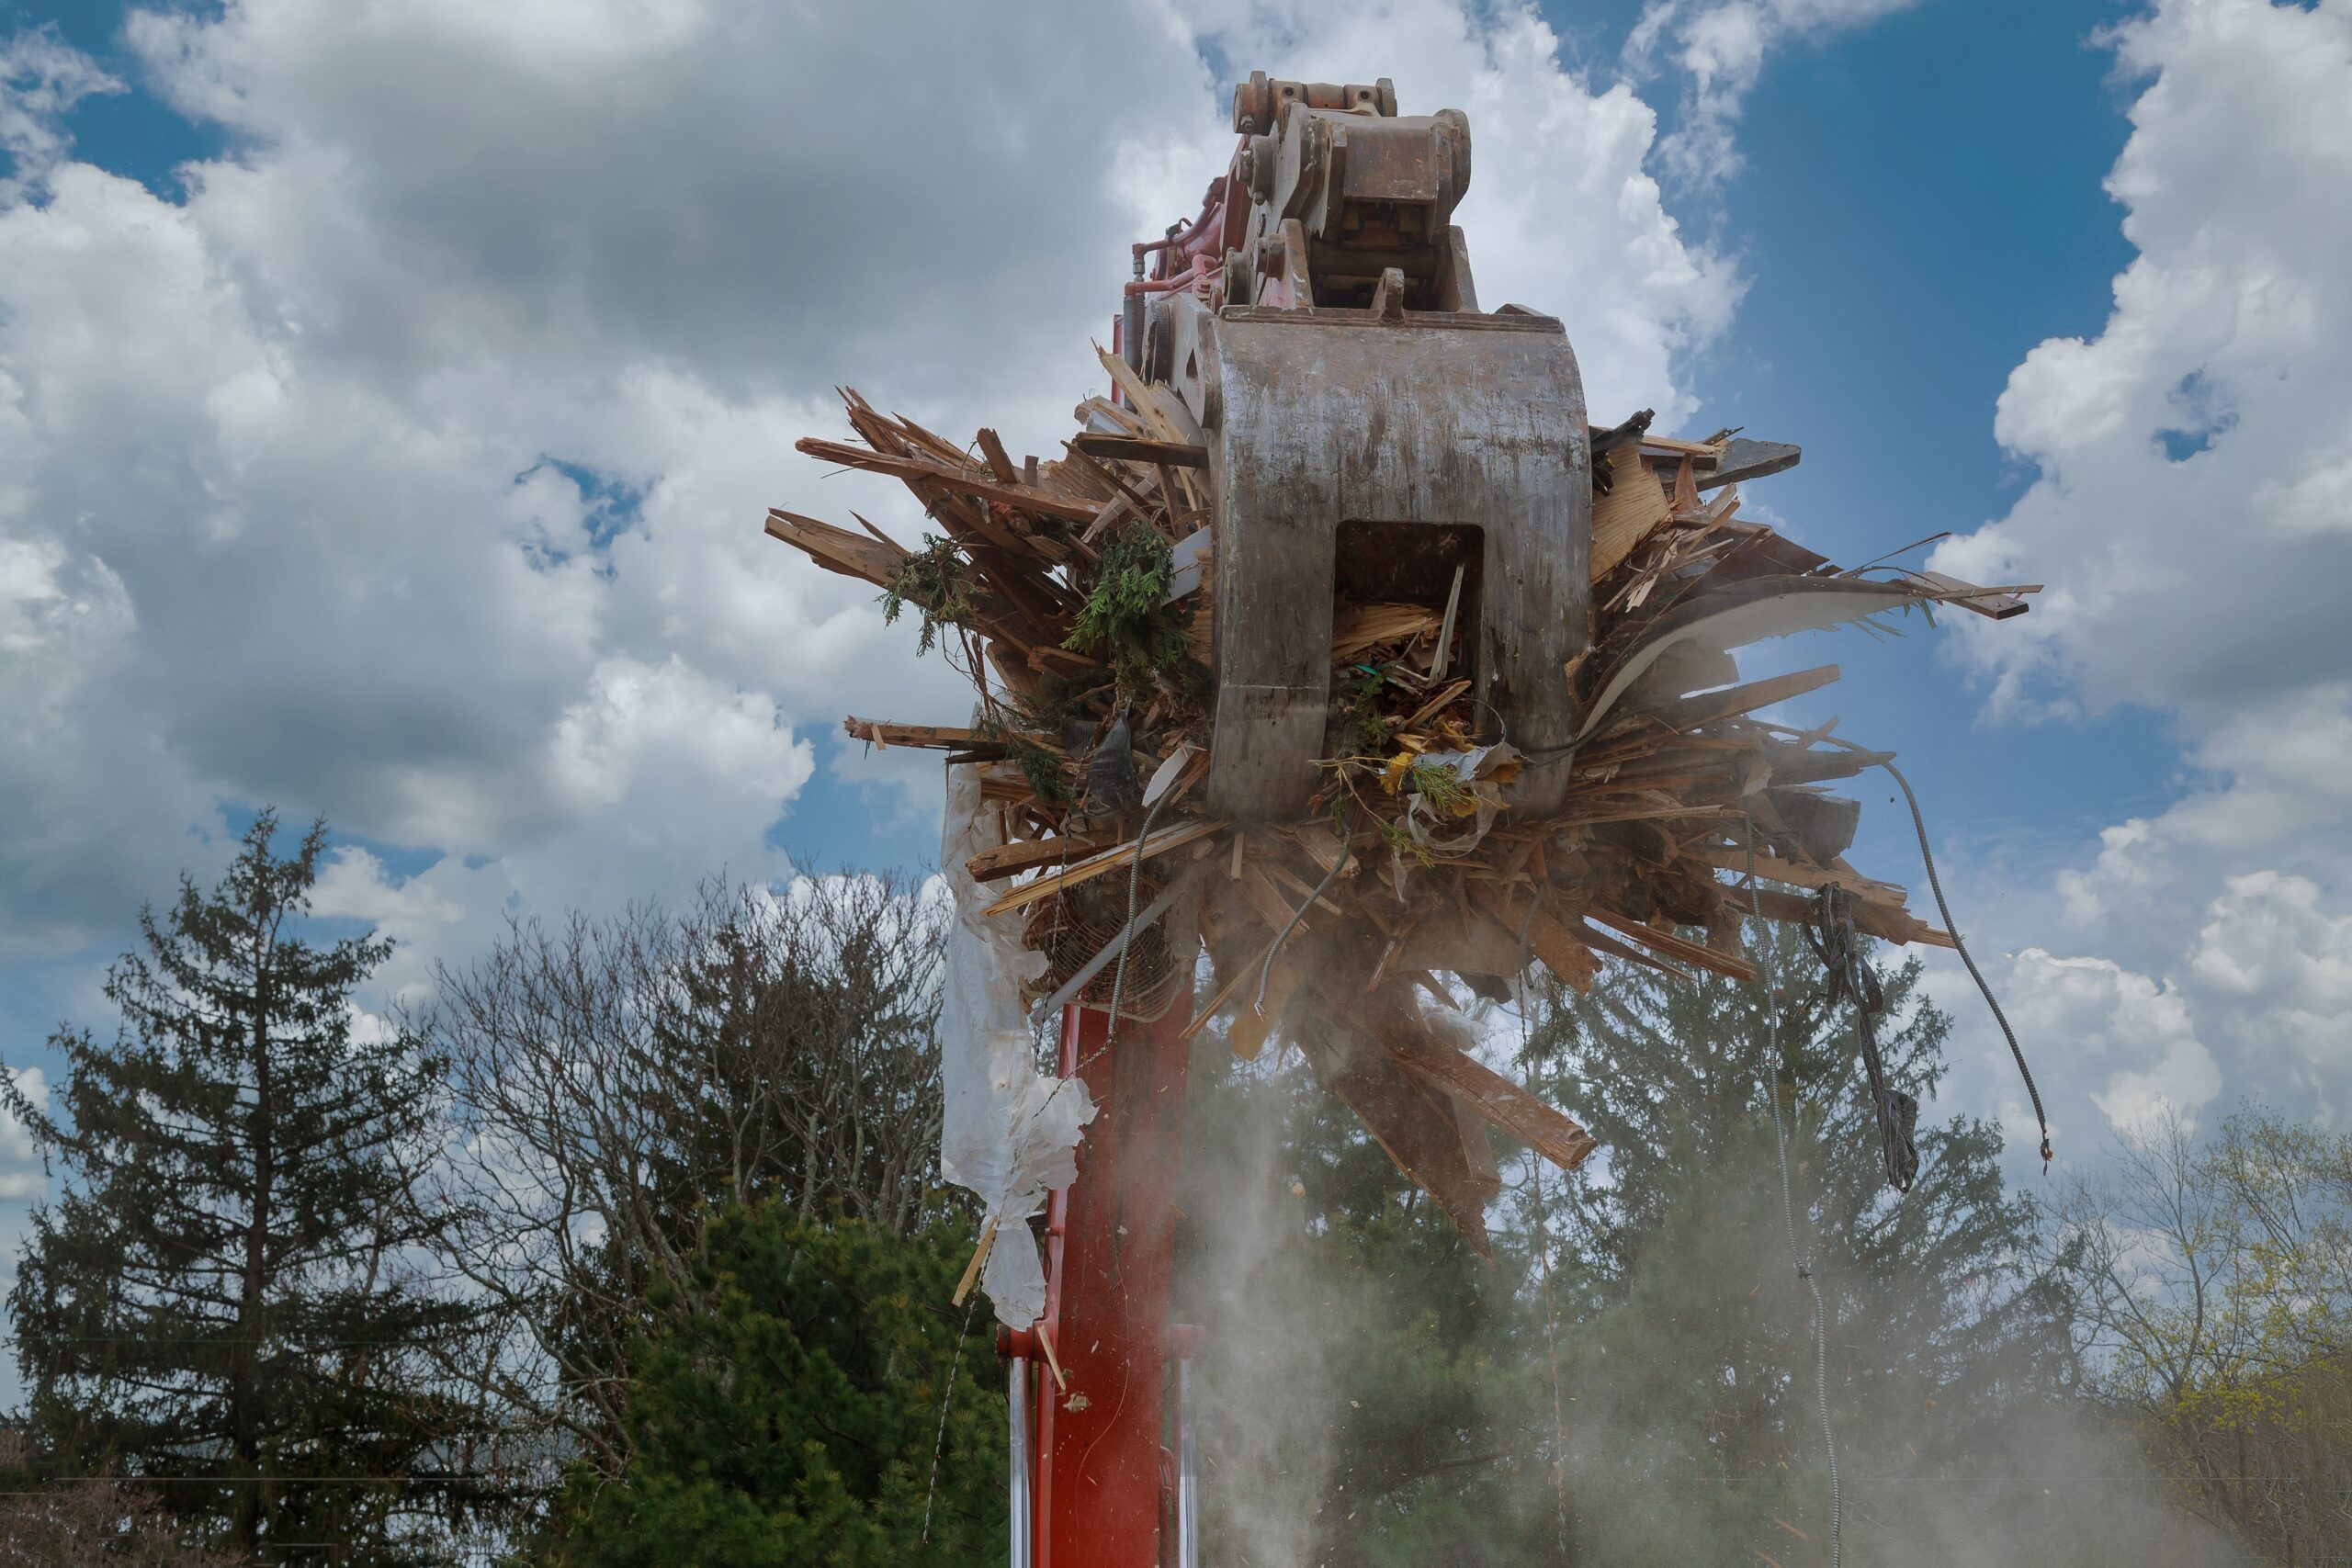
column 1840, row 948
column 1928, row 857
column 1544, row 1249
column 1135, row 885
column 1935, row 883
column 1798, row 1255
column 1258, row 1003
column 939, row 1444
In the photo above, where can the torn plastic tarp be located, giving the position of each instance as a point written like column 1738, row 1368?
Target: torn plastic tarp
column 1007, row 1132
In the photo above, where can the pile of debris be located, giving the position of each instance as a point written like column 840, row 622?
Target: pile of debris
column 1074, row 594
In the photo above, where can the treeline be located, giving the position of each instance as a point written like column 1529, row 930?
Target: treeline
column 622, row 1243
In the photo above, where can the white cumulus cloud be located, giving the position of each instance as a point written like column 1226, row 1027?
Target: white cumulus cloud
column 20, row 1169
column 408, row 465
column 2191, row 517
column 1716, row 50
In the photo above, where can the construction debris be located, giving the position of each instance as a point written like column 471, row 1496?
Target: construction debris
column 1076, row 595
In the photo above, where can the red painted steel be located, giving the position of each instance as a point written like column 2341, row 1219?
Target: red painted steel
column 1110, row 1250
column 1191, row 274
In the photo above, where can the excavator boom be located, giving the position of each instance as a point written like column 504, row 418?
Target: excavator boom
column 1369, row 434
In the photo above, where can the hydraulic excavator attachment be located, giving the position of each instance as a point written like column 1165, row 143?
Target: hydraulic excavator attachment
column 1469, row 704
column 1369, row 434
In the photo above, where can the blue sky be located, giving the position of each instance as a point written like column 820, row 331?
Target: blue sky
column 395, row 399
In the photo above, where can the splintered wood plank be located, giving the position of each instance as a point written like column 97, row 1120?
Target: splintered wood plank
column 1323, row 846
column 1772, row 868
column 1000, row 460
column 1414, row 1127
column 1160, row 841
column 1477, row 1152
column 1028, row 854
column 1640, row 813
column 1799, row 765
column 1750, row 460
column 1267, row 900
column 1635, row 508
column 964, row 481
column 1602, row 943
column 1104, row 415
column 1995, row 604
column 1360, row 626
column 1547, row 939
column 1136, row 449
column 1680, row 949
column 1870, row 917
column 1710, row 708
column 1667, row 447
column 882, row 732
column 837, row 550
column 1131, row 386
column 1473, row 1083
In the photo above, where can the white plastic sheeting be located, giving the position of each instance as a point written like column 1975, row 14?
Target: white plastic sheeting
column 1009, row 1132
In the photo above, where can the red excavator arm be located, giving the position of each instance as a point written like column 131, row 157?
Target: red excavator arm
column 1093, row 1486
column 1321, row 293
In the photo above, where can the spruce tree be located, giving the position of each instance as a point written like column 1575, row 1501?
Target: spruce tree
column 1369, row 1390
column 227, row 1301
column 1696, row 1376
column 809, row 1394
column 1631, row 1379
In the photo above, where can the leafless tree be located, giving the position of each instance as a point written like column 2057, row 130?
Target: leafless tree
column 2214, row 1288
column 87, row 1522
column 616, row 1077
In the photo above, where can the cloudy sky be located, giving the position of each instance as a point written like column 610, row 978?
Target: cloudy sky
column 390, row 397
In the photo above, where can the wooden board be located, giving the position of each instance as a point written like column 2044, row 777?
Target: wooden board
column 1499, row 1101
column 1161, row 840
column 964, row 481
column 1635, row 508
column 1028, row 854
column 1135, row 449
column 1547, row 938
column 838, row 549
column 882, row 732
column 1872, row 919
column 1772, row 868
column 1707, row 708
column 1680, row 949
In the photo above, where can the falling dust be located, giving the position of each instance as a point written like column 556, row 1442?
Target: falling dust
column 1358, row 1405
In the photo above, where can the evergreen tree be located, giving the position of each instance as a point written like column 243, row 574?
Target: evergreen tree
column 1631, row 1379
column 808, row 1399
column 1370, row 1391
column 1695, row 1379
column 227, row 1303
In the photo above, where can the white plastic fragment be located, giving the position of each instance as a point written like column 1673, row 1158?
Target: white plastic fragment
column 1164, row 777
column 1008, row 1133
column 1428, row 828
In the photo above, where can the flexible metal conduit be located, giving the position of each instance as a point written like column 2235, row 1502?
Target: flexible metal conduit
column 1018, row 1382
column 1188, row 1480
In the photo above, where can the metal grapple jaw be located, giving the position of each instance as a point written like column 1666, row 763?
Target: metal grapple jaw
column 1373, row 438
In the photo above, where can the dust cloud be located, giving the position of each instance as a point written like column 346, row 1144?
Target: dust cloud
column 1344, row 1420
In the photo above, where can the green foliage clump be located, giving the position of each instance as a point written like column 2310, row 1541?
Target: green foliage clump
column 1438, row 784
column 1060, row 700
column 787, row 1411
column 1039, row 764
column 931, row 580
column 1128, row 621
column 1362, row 730
column 1394, row 837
